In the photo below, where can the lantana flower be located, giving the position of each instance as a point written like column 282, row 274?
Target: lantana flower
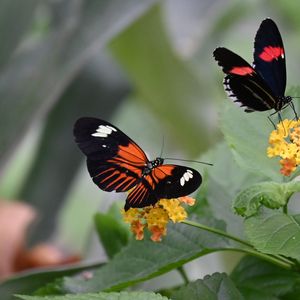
column 285, row 143
column 155, row 218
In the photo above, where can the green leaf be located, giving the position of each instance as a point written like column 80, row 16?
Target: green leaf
column 270, row 194
column 224, row 181
column 101, row 296
column 30, row 281
column 247, row 136
column 218, row 286
column 260, row 280
column 275, row 233
column 164, row 82
column 142, row 260
column 113, row 234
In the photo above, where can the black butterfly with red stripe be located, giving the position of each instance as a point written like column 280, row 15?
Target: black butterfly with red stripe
column 117, row 163
column 261, row 87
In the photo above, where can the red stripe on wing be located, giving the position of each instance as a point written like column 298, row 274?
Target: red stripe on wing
column 241, row 71
column 270, row 53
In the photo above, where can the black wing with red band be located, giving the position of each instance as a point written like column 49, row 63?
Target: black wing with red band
column 242, row 83
column 269, row 56
column 116, row 163
column 262, row 86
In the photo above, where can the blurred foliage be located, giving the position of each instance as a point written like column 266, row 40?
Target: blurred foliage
column 148, row 66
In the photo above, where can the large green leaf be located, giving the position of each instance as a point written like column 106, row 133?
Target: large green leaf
column 247, row 136
column 102, row 296
column 164, row 82
column 224, row 181
column 142, row 260
column 215, row 287
column 38, row 74
column 112, row 233
column 275, row 233
column 30, row 281
column 270, row 194
column 260, row 280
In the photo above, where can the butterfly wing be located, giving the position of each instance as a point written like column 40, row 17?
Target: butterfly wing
column 242, row 83
column 269, row 56
column 165, row 181
column 114, row 161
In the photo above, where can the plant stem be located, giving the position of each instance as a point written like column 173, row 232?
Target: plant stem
column 285, row 209
column 217, row 231
column 277, row 260
column 183, row 274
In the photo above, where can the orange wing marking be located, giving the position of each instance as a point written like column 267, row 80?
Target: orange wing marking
column 111, row 175
column 138, row 194
column 162, row 172
column 105, row 171
column 132, row 153
column 128, row 182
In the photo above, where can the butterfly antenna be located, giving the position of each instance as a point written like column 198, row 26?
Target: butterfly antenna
column 162, row 146
column 189, row 160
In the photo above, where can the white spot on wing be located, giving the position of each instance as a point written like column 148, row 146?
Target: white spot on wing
column 182, row 181
column 112, row 128
column 186, row 177
column 103, row 131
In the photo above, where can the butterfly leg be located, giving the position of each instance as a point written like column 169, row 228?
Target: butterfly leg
column 294, row 110
column 269, row 117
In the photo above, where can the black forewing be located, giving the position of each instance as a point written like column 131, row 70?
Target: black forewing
column 229, row 60
column 269, row 56
column 243, row 84
column 114, row 161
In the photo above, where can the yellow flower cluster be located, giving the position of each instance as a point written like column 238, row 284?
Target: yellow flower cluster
column 285, row 143
column 156, row 217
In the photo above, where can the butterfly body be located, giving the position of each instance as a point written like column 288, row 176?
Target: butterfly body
column 116, row 163
column 260, row 87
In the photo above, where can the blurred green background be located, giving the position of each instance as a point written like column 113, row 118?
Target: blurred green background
column 146, row 66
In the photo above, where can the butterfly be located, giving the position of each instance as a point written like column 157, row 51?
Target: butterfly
column 116, row 163
column 259, row 87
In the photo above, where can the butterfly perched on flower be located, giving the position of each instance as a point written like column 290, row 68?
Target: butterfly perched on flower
column 259, row 87
column 117, row 163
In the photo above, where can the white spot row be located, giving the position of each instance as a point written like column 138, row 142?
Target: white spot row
column 104, row 131
column 186, row 177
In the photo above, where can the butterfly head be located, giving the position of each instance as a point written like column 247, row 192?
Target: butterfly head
column 283, row 101
column 155, row 163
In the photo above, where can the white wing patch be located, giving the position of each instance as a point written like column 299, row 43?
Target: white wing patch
column 186, row 177
column 104, row 131
column 229, row 92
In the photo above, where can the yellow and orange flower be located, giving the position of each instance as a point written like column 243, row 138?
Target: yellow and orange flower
column 285, row 143
column 156, row 217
